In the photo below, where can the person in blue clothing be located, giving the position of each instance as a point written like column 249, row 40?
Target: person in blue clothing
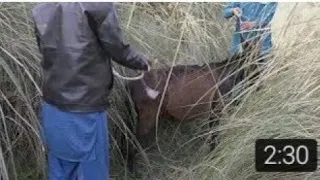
column 77, row 41
column 252, row 24
column 253, row 29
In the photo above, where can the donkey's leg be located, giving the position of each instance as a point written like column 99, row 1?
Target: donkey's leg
column 145, row 130
column 214, row 123
column 214, row 141
column 128, row 149
column 262, row 68
column 131, row 160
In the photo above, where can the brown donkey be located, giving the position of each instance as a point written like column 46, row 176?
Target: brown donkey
column 193, row 92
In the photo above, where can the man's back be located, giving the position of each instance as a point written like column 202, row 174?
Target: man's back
column 77, row 41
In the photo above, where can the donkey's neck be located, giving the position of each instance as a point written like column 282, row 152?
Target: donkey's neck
column 230, row 68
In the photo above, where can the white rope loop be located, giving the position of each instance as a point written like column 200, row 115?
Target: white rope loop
column 128, row 78
column 153, row 94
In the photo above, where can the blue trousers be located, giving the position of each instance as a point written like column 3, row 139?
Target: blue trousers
column 77, row 143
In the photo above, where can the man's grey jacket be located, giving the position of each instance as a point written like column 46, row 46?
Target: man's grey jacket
column 77, row 41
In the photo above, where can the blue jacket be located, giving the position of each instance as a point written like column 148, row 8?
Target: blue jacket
column 261, row 14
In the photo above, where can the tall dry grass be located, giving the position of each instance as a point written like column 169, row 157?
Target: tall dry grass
column 174, row 33
column 19, row 94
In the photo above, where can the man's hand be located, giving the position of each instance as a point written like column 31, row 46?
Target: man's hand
column 147, row 61
column 237, row 11
column 151, row 63
column 247, row 25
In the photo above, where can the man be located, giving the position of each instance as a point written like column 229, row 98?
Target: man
column 253, row 24
column 77, row 41
column 252, row 28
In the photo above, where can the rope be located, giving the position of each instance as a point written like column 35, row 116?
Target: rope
column 240, row 16
column 130, row 78
column 127, row 78
column 153, row 94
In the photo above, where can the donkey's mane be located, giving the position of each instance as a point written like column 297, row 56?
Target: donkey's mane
column 228, row 61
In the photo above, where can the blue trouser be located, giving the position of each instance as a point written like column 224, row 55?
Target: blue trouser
column 77, row 144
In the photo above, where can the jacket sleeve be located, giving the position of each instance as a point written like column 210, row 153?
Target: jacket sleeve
column 110, row 35
column 228, row 10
